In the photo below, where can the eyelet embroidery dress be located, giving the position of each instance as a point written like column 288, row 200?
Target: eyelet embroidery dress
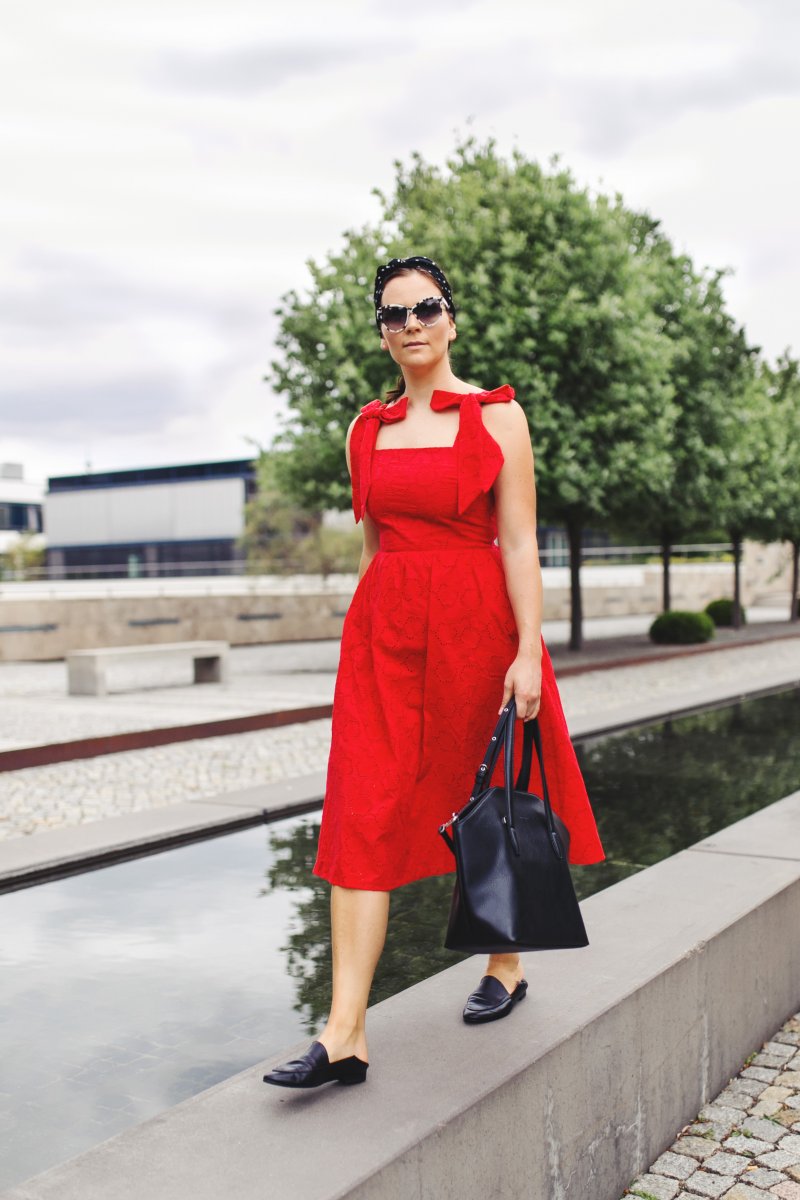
column 426, row 643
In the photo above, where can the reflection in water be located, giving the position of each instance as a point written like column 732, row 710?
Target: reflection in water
column 660, row 788
column 417, row 920
column 655, row 790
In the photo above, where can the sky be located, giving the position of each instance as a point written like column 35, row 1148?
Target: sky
column 170, row 167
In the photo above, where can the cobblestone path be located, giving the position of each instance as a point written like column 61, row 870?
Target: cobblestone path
column 745, row 1145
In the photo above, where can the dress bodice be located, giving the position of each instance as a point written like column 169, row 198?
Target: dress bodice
column 478, row 457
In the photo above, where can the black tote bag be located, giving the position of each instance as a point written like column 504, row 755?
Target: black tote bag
column 513, row 888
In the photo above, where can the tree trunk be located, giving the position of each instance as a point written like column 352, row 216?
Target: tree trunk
column 666, row 551
column 794, row 606
column 737, row 580
column 574, row 532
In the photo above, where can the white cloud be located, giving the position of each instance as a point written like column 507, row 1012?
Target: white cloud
column 169, row 168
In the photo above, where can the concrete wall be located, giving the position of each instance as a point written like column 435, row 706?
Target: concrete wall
column 692, row 964
column 46, row 621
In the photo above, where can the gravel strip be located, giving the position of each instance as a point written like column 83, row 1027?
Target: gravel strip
column 69, row 793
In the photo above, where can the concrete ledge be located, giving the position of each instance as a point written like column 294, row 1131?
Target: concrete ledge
column 28, row 860
column 693, row 963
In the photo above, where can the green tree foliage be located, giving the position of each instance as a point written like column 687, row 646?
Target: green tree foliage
column 783, row 386
column 414, row 947
column 557, row 291
column 711, row 368
column 274, row 524
column 280, row 537
column 751, row 442
column 24, row 559
column 330, row 365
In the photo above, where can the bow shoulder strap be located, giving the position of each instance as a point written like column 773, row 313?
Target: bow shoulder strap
column 479, row 455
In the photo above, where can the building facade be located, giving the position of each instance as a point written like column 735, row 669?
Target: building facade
column 172, row 520
column 20, row 507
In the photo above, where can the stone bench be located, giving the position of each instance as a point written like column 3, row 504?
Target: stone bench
column 87, row 669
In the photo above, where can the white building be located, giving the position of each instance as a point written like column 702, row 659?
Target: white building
column 148, row 521
column 20, row 507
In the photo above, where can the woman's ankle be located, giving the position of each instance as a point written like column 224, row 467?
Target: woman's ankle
column 505, row 966
column 344, row 1040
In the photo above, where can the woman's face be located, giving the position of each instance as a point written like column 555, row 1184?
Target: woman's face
column 417, row 346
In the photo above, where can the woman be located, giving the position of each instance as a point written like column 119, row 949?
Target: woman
column 444, row 627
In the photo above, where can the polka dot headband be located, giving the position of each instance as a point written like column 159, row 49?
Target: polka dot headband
column 417, row 262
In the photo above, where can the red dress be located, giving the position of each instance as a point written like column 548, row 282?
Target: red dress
column 426, row 643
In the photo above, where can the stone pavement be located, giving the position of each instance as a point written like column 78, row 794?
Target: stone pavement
column 73, row 792
column 745, row 1144
column 35, row 708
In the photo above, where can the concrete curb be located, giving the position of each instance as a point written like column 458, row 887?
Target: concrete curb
column 25, row 861
column 692, row 964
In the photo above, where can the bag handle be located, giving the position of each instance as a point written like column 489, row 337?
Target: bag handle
column 532, row 733
column 484, row 772
column 504, row 736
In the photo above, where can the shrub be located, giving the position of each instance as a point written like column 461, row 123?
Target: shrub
column 679, row 627
column 721, row 611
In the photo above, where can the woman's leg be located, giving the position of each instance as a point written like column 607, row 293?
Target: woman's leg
column 358, row 932
column 507, row 968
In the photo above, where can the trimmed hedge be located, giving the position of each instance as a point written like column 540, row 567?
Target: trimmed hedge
column 721, row 611
column 680, row 627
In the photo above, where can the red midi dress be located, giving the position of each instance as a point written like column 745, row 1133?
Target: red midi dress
column 426, row 643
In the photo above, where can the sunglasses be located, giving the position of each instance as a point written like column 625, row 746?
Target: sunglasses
column 428, row 311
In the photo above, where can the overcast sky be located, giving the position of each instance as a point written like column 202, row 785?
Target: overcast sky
column 168, row 167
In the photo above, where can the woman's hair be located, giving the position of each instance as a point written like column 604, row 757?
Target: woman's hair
column 394, row 393
column 404, row 266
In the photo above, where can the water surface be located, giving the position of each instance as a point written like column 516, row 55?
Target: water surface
column 127, row 989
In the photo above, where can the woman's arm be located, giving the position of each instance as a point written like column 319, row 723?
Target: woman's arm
column 515, row 500
column 369, row 528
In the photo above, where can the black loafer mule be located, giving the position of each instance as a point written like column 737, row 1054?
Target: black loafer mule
column 491, row 1000
column 314, row 1068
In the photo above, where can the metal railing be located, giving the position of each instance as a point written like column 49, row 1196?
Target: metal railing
column 557, row 556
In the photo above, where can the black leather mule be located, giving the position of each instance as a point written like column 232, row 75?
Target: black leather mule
column 491, row 1000
column 314, row 1068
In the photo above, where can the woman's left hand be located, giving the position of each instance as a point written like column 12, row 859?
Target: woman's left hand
column 523, row 681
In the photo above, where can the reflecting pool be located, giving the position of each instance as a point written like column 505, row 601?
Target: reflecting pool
column 127, row 989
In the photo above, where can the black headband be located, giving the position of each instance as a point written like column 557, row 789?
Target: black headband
column 417, row 262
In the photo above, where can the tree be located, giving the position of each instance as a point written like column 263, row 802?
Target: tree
column 273, row 522
column 711, row 364
column 281, row 537
column 558, row 292
column 750, row 485
column 783, row 386
column 24, row 558
column 330, row 366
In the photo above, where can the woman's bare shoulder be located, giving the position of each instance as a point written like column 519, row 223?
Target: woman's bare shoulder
column 347, row 439
column 506, row 422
